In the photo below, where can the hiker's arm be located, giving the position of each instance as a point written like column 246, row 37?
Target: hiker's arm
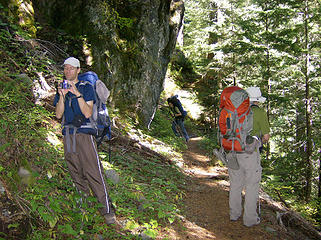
column 86, row 107
column 60, row 107
column 171, row 112
column 177, row 112
column 265, row 127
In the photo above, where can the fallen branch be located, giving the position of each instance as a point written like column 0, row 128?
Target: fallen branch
column 281, row 199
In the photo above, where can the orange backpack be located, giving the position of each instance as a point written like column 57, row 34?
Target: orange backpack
column 235, row 120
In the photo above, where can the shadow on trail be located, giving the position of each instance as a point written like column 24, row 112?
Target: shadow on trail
column 206, row 203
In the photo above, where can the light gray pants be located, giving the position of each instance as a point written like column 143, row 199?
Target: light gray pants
column 248, row 177
column 85, row 168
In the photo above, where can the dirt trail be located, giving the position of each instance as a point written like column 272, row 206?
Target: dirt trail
column 206, row 205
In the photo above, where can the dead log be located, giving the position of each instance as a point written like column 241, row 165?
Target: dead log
column 290, row 220
column 294, row 221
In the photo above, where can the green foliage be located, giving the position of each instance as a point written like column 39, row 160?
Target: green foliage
column 149, row 190
column 48, row 206
column 209, row 142
column 182, row 69
column 21, row 123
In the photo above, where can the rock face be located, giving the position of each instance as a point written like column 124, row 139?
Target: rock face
column 132, row 51
column 131, row 43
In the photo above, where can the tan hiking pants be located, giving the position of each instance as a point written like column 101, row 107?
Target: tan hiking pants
column 85, row 168
column 248, row 177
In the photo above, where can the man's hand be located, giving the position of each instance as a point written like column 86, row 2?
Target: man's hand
column 73, row 89
column 265, row 138
column 60, row 107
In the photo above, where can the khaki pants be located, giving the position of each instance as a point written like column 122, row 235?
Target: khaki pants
column 248, row 177
column 86, row 170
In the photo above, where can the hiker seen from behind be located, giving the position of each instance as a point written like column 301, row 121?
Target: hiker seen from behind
column 179, row 114
column 74, row 103
column 243, row 128
column 249, row 174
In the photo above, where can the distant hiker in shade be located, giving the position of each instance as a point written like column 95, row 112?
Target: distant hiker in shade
column 248, row 176
column 179, row 115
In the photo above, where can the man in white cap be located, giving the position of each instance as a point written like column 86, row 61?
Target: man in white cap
column 74, row 103
column 248, row 176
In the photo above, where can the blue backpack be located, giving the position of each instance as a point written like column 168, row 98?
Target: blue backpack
column 100, row 118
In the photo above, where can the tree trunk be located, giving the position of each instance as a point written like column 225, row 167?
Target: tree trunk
column 308, row 151
column 267, row 81
column 319, row 184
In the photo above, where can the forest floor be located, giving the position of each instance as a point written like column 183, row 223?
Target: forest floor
column 206, row 210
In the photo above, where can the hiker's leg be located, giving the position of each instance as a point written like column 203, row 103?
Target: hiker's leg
column 93, row 170
column 75, row 168
column 174, row 128
column 181, row 125
column 252, row 185
column 235, row 194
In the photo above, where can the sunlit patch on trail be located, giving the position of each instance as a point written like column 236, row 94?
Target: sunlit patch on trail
column 195, row 231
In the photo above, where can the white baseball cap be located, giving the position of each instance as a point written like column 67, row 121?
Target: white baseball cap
column 72, row 61
column 255, row 94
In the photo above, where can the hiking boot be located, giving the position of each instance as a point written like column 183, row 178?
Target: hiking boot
column 110, row 218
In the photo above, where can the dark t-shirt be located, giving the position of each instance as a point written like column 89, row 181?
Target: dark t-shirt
column 72, row 108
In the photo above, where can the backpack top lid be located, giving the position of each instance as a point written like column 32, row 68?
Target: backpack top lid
column 235, row 98
column 100, row 88
column 91, row 77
